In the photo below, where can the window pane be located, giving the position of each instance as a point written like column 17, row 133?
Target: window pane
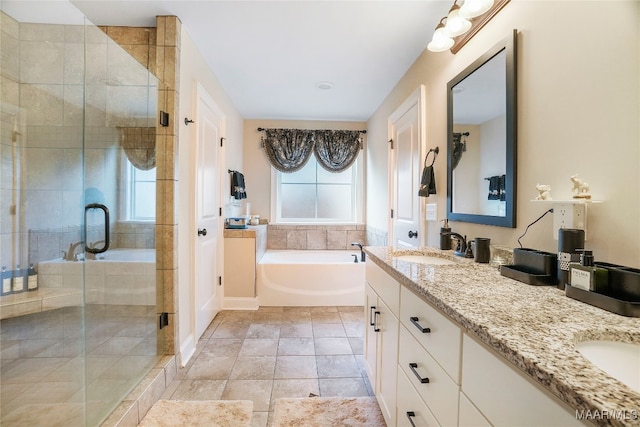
column 141, row 175
column 334, row 202
column 297, row 201
column 144, row 203
column 326, row 177
column 305, row 175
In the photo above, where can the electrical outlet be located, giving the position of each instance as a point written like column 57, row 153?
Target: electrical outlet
column 431, row 212
column 569, row 215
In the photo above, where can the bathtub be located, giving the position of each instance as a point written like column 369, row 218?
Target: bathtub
column 116, row 277
column 310, row 278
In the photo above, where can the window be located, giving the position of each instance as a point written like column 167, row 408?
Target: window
column 314, row 195
column 140, row 194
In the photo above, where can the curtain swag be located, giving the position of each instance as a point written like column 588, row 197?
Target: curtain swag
column 288, row 150
column 139, row 145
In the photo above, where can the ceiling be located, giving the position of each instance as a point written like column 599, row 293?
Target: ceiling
column 269, row 56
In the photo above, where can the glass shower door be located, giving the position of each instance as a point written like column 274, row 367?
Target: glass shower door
column 78, row 325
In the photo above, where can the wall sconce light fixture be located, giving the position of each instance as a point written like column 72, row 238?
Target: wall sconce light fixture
column 462, row 23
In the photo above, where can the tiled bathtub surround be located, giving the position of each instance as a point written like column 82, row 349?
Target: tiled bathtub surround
column 314, row 237
column 533, row 327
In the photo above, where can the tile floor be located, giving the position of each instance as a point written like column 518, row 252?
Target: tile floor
column 71, row 366
column 276, row 352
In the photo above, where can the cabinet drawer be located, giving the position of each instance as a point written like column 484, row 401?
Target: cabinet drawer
column 440, row 393
column 384, row 285
column 443, row 338
column 409, row 403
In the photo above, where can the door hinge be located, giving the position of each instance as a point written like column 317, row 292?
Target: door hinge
column 219, row 280
column 164, row 119
column 391, row 213
column 222, row 141
column 219, row 211
column 164, row 320
column 391, row 142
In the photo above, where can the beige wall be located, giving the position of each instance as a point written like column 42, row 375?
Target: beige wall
column 256, row 167
column 578, row 110
column 193, row 69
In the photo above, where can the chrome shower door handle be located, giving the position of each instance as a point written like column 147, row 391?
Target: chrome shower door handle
column 106, row 228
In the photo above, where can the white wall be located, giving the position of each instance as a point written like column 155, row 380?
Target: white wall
column 193, row 69
column 578, row 109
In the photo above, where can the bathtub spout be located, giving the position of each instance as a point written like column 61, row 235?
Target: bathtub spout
column 363, row 256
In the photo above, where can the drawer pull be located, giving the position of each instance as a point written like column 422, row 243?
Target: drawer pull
column 414, row 320
column 375, row 321
column 410, row 415
column 413, row 367
column 371, row 322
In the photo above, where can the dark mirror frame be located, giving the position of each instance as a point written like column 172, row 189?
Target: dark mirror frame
column 509, row 220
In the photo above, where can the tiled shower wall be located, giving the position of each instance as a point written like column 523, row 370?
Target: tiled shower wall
column 319, row 237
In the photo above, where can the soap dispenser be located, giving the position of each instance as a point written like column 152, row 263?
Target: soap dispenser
column 445, row 239
column 7, row 278
column 586, row 276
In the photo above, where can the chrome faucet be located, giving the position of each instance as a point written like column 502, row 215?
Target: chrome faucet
column 462, row 248
column 363, row 256
column 70, row 255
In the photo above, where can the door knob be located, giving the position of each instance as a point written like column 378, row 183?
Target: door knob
column 413, row 234
column 202, row 232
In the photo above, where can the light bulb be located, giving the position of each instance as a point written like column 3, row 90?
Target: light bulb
column 456, row 24
column 473, row 8
column 441, row 40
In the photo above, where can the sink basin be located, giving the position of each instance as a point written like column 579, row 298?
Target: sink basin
column 618, row 359
column 425, row 259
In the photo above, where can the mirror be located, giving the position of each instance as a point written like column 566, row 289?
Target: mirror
column 481, row 133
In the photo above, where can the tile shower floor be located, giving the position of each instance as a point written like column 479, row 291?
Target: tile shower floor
column 276, row 352
column 46, row 376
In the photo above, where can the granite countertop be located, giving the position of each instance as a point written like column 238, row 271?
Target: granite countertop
column 534, row 327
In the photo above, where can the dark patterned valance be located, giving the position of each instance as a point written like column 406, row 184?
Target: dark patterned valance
column 288, row 150
column 336, row 150
column 458, row 148
column 139, row 144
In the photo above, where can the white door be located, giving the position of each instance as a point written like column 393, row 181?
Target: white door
column 405, row 132
column 208, row 222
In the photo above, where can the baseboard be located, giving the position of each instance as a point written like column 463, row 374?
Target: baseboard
column 241, row 303
column 187, row 350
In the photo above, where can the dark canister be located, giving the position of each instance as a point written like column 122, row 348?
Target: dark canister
column 569, row 241
column 481, row 249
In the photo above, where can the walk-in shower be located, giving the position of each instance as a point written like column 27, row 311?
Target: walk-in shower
column 78, row 318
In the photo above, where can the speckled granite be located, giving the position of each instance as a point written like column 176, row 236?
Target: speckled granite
column 534, row 327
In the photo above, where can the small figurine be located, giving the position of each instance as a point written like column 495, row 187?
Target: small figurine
column 544, row 192
column 580, row 188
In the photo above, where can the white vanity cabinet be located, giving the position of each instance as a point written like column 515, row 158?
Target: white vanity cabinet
column 381, row 338
column 426, row 371
column 504, row 395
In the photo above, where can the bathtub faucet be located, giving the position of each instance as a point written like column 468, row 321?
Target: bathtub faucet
column 363, row 256
column 70, row 255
